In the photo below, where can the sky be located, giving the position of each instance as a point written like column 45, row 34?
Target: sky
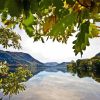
column 54, row 51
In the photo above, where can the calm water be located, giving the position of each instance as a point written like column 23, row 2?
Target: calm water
column 59, row 86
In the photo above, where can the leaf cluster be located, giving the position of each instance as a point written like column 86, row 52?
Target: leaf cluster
column 9, row 38
column 54, row 19
column 11, row 82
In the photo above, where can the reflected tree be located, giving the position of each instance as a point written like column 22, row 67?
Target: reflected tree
column 86, row 68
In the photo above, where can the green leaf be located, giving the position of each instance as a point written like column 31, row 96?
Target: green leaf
column 60, row 27
column 63, row 28
column 29, row 21
column 82, row 38
column 29, row 30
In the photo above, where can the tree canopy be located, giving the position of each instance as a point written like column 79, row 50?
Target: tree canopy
column 54, row 19
column 12, row 82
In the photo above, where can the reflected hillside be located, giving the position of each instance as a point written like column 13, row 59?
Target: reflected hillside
column 86, row 68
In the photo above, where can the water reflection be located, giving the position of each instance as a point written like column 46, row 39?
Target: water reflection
column 95, row 74
column 59, row 86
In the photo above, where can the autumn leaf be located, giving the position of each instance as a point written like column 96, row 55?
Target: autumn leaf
column 50, row 21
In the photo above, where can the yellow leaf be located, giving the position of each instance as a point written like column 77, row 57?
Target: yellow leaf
column 50, row 21
column 65, row 4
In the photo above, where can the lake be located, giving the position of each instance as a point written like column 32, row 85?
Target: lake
column 59, row 86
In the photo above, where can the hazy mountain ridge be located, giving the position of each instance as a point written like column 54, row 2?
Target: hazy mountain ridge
column 19, row 58
column 51, row 63
column 14, row 59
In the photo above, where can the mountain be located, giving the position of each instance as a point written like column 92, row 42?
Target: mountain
column 14, row 59
column 17, row 58
column 51, row 63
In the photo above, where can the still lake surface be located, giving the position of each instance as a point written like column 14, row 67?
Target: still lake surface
column 58, row 85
